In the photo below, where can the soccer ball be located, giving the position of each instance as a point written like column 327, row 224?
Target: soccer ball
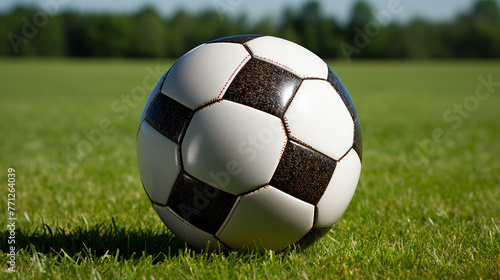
column 249, row 142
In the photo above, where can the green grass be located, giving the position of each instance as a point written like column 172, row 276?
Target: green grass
column 429, row 211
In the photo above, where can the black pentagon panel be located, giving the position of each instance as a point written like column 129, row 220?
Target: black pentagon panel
column 239, row 39
column 303, row 172
column 200, row 204
column 169, row 117
column 358, row 141
column 313, row 235
column 263, row 86
column 340, row 88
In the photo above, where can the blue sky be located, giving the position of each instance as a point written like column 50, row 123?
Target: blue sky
column 340, row 9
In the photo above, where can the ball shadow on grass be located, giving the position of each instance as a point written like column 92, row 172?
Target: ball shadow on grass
column 107, row 238
column 97, row 240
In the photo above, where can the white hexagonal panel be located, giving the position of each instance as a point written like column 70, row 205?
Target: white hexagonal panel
column 233, row 147
column 150, row 99
column 204, row 74
column 288, row 55
column 158, row 161
column 317, row 117
column 267, row 219
column 340, row 190
column 194, row 237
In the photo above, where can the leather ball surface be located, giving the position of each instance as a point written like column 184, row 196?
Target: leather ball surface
column 249, row 142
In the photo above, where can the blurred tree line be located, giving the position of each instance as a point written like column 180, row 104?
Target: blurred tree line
column 367, row 34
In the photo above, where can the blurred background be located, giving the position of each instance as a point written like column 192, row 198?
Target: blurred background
column 331, row 29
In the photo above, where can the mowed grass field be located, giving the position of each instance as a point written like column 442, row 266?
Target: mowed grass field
column 427, row 205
